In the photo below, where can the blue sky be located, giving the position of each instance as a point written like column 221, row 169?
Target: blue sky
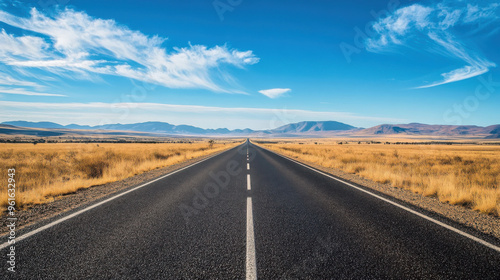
column 256, row 64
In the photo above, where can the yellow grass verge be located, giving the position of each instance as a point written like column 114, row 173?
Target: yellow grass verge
column 468, row 175
column 45, row 171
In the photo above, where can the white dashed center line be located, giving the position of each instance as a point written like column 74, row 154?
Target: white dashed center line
column 251, row 265
column 248, row 182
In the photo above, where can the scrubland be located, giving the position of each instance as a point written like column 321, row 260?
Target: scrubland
column 467, row 175
column 45, row 171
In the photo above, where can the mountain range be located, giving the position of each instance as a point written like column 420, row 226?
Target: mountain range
column 166, row 128
column 306, row 128
column 431, row 130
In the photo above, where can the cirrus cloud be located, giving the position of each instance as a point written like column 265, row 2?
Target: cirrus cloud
column 11, row 85
column 22, row 91
column 433, row 28
column 73, row 42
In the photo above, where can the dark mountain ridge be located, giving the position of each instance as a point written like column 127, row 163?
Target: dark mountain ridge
column 306, row 128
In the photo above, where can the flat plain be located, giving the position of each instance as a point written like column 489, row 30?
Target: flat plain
column 47, row 170
column 464, row 174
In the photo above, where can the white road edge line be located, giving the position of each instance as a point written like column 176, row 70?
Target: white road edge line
column 249, row 186
column 251, row 264
column 485, row 243
column 47, row 226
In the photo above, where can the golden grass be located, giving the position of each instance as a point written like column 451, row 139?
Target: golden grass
column 45, row 171
column 468, row 175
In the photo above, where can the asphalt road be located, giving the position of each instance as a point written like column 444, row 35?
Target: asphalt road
column 235, row 216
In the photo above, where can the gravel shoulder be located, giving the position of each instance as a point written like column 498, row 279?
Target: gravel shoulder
column 487, row 224
column 80, row 199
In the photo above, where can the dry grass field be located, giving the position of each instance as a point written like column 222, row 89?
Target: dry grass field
column 468, row 175
column 45, row 171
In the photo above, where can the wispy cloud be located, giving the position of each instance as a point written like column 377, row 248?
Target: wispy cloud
column 274, row 92
column 73, row 41
column 433, row 28
column 11, row 85
column 10, row 81
column 21, row 91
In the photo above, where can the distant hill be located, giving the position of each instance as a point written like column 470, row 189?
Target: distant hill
column 429, row 130
column 493, row 136
column 493, row 131
column 34, row 124
column 77, row 126
column 27, row 131
column 308, row 127
column 10, row 130
column 150, row 127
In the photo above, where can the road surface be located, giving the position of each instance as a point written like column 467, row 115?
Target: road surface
column 237, row 216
